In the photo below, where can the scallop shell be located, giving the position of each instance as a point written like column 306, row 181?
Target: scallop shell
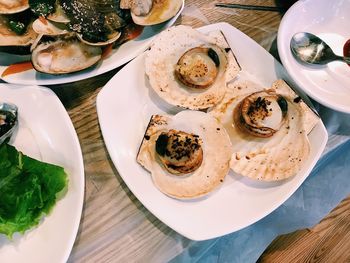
column 216, row 154
column 164, row 54
column 274, row 158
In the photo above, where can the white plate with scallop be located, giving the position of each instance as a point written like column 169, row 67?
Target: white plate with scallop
column 330, row 84
column 119, row 57
column 124, row 108
column 45, row 132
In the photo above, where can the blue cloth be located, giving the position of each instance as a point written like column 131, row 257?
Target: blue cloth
column 326, row 186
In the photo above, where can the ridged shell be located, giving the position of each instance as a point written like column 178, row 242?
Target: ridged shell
column 164, row 54
column 216, row 154
column 274, row 158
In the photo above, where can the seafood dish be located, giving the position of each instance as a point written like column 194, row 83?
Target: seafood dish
column 193, row 70
column 259, row 132
column 187, row 154
column 68, row 36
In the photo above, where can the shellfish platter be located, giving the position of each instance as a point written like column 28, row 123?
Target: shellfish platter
column 216, row 138
column 60, row 41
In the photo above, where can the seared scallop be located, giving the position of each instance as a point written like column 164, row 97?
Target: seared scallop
column 268, row 129
column 187, row 154
column 190, row 69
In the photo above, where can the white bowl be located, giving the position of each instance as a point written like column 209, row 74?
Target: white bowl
column 330, row 84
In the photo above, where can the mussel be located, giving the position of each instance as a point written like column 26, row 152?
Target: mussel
column 8, row 120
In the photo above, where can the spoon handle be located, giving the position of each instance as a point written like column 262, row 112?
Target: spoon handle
column 347, row 60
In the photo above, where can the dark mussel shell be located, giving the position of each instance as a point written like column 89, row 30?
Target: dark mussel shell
column 8, row 120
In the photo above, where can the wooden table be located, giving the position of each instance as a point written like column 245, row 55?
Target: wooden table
column 115, row 227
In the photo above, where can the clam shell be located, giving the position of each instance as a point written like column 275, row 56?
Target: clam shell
column 161, row 11
column 8, row 110
column 114, row 37
column 64, row 56
column 49, row 28
column 59, row 16
column 13, row 6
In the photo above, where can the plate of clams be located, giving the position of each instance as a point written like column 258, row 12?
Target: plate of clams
column 61, row 41
column 217, row 135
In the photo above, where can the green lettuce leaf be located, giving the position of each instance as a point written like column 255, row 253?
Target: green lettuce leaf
column 28, row 190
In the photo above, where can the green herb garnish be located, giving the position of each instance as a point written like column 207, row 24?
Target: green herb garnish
column 28, row 190
column 42, row 7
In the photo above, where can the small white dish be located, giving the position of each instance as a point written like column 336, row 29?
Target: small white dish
column 124, row 107
column 119, row 57
column 45, row 132
column 329, row 20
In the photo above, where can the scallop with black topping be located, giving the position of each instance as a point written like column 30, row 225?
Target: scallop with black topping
column 179, row 152
column 261, row 114
column 187, row 154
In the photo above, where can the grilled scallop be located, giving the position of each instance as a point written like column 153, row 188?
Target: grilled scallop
column 189, row 69
column 268, row 129
column 187, row 154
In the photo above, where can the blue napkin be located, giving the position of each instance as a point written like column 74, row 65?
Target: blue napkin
column 326, row 186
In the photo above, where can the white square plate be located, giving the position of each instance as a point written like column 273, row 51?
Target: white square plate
column 124, row 108
column 45, row 132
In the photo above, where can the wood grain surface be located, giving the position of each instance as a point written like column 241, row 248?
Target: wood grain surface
column 115, row 227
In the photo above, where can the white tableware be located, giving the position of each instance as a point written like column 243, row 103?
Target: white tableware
column 46, row 133
column 119, row 56
column 124, row 108
column 329, row 20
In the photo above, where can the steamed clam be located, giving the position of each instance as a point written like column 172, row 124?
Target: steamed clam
column 8, row 120
column 64, row 56
column 151, row 12
column 54, row 29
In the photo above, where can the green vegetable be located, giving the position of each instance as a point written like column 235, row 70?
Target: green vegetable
column 18, row 27
column 18, row 23
column 42, row 7
column 28, row 190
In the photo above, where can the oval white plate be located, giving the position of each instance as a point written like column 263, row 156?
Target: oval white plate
column 330, row 84
column 240, row 201
column 119, row 56
column 46, row 133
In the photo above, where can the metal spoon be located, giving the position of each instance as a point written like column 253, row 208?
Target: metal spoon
column 310, row 49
